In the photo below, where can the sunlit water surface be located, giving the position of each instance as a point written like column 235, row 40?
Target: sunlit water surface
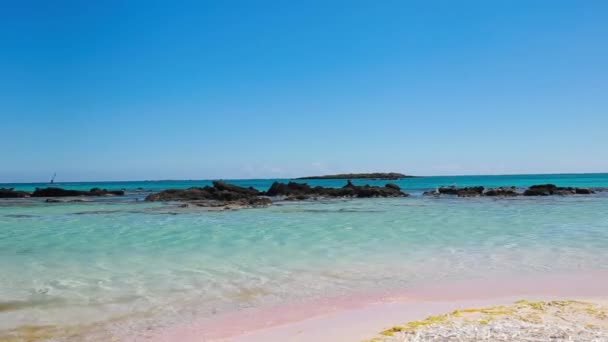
column 127, row 261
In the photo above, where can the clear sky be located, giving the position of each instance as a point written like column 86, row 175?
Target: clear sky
column 128, row 90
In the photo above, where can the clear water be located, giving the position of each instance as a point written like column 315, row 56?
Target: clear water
column 122, row 260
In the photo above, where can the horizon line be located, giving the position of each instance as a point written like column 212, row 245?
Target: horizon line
column 294, row 178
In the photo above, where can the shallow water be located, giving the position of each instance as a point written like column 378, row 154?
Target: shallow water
column 118, row 259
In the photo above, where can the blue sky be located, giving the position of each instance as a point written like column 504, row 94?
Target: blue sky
column 127, row 90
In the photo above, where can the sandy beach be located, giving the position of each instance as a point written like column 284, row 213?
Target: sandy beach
column 303, row 171
column 372, row 317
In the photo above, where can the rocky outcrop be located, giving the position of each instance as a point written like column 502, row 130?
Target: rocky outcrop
column 59, row 192
column 552, row 189
column 300, row 191
column 232, row 196
column 583, row 191
column 56, row 192
column 12, row 193
column 502, row 192
column 393, row 186
column 373, row 175
column 534, row 190
column 218, row 195
column 225, row 187
column 473, row 191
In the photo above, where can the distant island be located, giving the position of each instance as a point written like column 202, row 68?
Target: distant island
column 374, row 175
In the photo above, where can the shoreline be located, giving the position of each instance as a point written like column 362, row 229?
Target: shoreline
column 363, row 316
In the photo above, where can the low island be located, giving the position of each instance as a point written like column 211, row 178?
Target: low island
column 373, row 175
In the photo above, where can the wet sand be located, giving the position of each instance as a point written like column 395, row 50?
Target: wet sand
column 357, row 318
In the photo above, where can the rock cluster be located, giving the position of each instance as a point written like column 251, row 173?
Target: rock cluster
column 229, row 195
column 301, row 191
column 472, row 191
column 502, row 191
column 534, row 190
column 12, row 193
column 58, row 192
column 552, row 189
column 220, row 194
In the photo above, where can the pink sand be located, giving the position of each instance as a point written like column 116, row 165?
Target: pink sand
column 358, row 317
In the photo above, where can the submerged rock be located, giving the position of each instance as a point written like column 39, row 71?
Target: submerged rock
column 57, row 200
column 255, row 202
column 12, row 193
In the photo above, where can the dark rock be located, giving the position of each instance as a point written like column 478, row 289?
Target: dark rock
column 227, row 194
column 222, row 186
column 461, row 192
column 58, row 192
column 583, row 191
column 12, row 193
column 191, row 194
column 259, row 202
column 232, row 196
column 540, row 190
column 349, row 184
column 502, row 192
column 105, row 192
column 547, row 190
column 534, row 190
column 294, row 190
column 221, row 194
column 552, row 189
column 393, row 186
column 290, row 189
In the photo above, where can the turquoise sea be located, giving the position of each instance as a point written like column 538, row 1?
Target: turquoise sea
column 410, row 184
column 125, row 265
